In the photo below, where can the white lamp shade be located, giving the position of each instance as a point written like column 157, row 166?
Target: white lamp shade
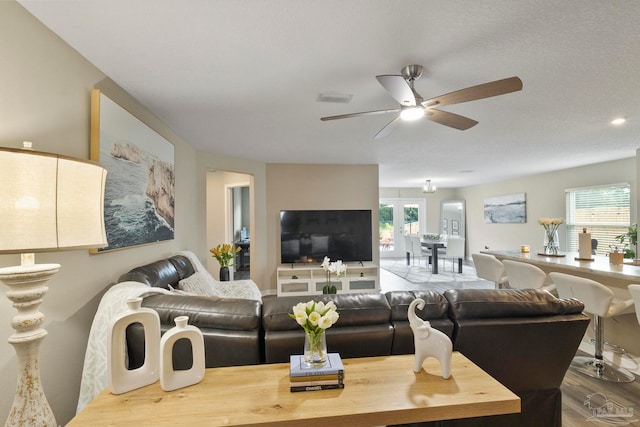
column 50, row 202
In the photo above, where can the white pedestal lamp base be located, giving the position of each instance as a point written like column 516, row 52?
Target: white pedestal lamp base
column 26, row 290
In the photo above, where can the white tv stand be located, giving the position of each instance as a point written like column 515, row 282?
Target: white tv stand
column 309, row 279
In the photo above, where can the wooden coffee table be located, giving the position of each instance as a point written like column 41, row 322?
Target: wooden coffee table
column 378, row 391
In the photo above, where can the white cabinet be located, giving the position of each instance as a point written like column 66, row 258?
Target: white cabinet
column 309, row 279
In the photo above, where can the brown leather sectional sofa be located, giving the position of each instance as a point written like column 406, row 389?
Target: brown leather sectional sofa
column 523, row 338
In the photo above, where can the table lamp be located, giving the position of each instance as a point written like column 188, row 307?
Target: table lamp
column 47, row 203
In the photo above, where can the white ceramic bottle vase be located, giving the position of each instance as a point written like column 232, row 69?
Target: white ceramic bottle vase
column 171, row 379
column 122, row 379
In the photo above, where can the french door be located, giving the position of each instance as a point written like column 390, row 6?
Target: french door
column 397, row 218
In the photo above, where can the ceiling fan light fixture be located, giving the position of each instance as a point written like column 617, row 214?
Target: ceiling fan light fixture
column 428, row 188
column 412, row 113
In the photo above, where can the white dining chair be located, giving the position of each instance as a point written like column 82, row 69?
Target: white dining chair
column 600, row 302
column 490, row 268
column 411, row 247
column 454, row 250
column 526, row 276
column 408, row 246
column 418, row 249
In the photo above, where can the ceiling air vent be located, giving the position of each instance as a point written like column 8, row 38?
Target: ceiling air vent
column 343, row 98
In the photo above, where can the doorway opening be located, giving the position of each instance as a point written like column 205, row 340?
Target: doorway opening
column 399, row 217
column 230, row 219
column 240, row 225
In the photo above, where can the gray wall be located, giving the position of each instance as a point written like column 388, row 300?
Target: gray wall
column 317, row 186
column 545, row 196
column 45, row 87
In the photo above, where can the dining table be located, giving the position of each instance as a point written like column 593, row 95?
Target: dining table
column 433, row 246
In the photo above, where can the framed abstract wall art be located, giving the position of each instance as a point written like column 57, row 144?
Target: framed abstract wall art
column 511, row 208
column 139, row 196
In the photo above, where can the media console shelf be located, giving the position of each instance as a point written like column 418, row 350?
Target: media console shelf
column 309, row 279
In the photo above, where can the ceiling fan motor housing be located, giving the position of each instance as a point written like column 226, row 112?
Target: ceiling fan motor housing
column 412, row 72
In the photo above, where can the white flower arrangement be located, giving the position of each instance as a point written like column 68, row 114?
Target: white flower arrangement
column 550, row 227
column 332, row 267
column 547, row 222
column 315, row 317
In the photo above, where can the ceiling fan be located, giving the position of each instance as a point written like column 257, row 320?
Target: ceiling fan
column 413, row 106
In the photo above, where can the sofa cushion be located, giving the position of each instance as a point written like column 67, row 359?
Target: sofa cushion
column 244, row 289
column 230, row 327
column 201, row 283
column 497, row 303
column 362, row 330
column 435, row 311
column 435, row 307
column 207, row 312
column 354, row 310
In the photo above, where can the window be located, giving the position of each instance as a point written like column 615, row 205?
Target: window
column 604, row 210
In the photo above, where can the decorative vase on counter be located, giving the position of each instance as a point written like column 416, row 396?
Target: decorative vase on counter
column 224, row 274
column 171, row 379
column 315, row 348
column 122, row 379
column 551, row 242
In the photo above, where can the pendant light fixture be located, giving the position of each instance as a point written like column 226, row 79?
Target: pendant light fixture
column 428, row 188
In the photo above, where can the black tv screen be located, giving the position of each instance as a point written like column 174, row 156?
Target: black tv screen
column 309, row 236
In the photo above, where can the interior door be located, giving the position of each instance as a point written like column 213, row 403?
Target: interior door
column 397, row 218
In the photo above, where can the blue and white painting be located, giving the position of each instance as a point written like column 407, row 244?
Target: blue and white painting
column 511, row 208
column 140, row 188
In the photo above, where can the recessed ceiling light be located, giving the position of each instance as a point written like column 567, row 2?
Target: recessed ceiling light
column 618, row 121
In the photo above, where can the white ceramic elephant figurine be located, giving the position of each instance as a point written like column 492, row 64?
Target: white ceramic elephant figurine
column 429, row 342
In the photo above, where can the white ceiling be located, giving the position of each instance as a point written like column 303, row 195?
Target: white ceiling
column 241, row 77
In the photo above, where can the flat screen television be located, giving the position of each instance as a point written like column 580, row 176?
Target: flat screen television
column 309, row 236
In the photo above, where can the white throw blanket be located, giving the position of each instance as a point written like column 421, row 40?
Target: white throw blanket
column 243, row 289
column 113, row 304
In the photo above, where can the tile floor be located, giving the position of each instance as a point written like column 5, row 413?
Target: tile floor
column 395, row 274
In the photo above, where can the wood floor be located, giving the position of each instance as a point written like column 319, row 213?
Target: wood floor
column 579, row 392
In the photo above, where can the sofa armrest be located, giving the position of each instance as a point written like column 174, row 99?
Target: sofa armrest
column 497, row 303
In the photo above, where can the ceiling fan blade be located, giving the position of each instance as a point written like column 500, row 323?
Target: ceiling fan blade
column 449, row 119
column 485, row 90
column 388, row 128
column 398, row 88
column 364, row 113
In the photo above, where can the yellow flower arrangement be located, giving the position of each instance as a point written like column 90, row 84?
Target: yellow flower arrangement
column 224, row 253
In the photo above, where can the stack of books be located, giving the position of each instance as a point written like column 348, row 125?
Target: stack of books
column 305, row 378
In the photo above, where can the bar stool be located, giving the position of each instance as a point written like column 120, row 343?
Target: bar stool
column 490, row 268
column 599, row 301
column 634, row 290
column 525, row 276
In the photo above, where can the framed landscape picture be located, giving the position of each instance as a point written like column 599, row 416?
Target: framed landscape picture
column 140, row 187
column 511, row 208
